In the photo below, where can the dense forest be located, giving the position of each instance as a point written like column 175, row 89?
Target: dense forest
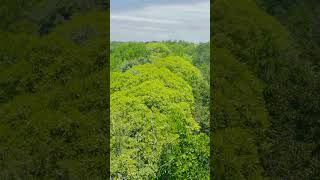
column 265, row 89
column 159, row 110
column 264, row 97
column 53, row 89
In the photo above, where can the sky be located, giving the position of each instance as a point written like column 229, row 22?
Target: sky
column 158, row 20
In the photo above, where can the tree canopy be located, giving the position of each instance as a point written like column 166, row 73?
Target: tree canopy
column 53, row 91
column 154, row 132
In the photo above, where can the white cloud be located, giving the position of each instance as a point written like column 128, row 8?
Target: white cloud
column 142, row 19
column 189, row 21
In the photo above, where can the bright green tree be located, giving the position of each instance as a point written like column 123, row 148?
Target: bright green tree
column 153, row 131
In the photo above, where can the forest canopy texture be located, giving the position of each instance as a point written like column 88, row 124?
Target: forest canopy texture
column 265, row 89
column 159, row 110
column 264, row 97
column 53, row 89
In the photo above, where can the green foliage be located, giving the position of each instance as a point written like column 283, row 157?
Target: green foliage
column 41, row 16
column 200, row 87
column 127, row 55
column 154, row 130
column 241, row 28
column 158, row 49
column 200, row 59
column 282, row 52
column 239, row 119
column 238, row 94
column 53, row 102
column 236, row 154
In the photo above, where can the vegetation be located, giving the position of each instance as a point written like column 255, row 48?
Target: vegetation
column 53, row 89
column 159, row 110
column 265, row 80
column 264, row 99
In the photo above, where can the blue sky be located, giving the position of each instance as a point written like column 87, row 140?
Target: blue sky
column 157, row 20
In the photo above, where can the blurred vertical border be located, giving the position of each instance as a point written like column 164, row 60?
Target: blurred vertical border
column 54, row 89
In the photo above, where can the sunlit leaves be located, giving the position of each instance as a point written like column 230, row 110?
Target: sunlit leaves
column 153, row 130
